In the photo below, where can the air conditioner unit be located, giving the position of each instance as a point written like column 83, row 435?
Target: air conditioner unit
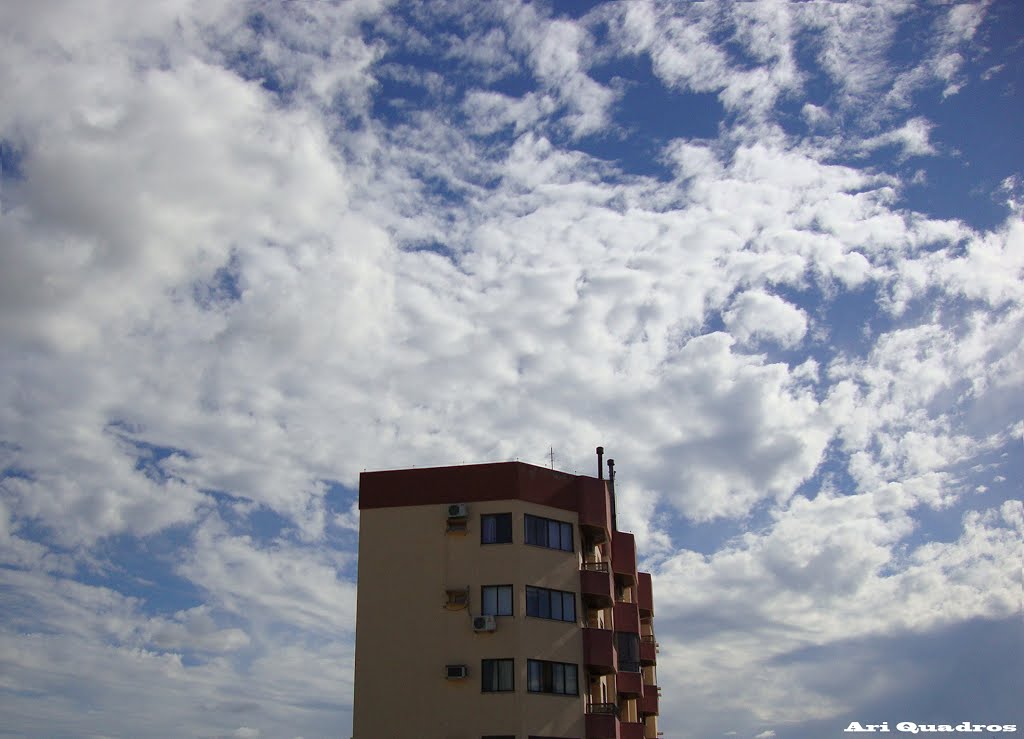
column 484, row 623
column 458, row 510
column 456, row 672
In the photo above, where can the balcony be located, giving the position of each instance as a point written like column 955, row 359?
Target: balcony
column 624, row 556
column 594, row 509
column 645, row 594
column 648, row 703
column 629, row 683
column 602, row 721
column 599, row 654
column 648, row 650
column 631, row 730
column 596, row 584
column 627, row 618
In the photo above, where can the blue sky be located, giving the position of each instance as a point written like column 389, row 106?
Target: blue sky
column 769, row 255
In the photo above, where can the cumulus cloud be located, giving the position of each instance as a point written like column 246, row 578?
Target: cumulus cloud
column 759, row 315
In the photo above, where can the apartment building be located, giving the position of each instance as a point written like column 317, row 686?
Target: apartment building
column 498, row 601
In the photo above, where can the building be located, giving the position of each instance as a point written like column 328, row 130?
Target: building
column 498, row 601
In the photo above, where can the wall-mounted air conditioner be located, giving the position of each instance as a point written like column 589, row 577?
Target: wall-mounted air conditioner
column 458, row 510
column 456, row 672
column 484, row 623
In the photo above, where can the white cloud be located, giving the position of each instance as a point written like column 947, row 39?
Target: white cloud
column 911, row 137
column 281, row 584
column 757, row 315
column 760, row 588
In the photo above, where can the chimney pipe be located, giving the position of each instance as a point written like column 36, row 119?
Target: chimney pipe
column 611, row 492
column 600, row 463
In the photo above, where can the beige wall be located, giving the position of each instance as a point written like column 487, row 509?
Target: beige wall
column 405, row 635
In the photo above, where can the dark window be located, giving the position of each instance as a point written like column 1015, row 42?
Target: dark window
column 629, row 651
column 496, row 528
column 556, row 604
column 544, row 532
column 497, row 675
column 496, row 600
column 551, row 677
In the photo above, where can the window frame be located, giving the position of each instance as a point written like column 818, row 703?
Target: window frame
column 498, row 529
column 544, row 530
column 549, row 594
column 552, row 673
column 497, row 664
column 497, row 600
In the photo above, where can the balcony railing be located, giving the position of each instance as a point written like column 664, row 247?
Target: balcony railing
column 595, row 566
column 611, row 709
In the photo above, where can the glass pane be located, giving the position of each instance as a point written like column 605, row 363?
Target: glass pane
column 629, row 651
column 571, row 686
column 557, row 678
column 532, row 602
column 488, row 674
column 556, row 605
column 569, row 606
column 490, row 598
column 567, row 537
column 553, row 538
column 505, row 674
column 504, row 600
column 503, row 525
column 488, row 529
column 530, row 535
column 544, row 603
column 533, row 679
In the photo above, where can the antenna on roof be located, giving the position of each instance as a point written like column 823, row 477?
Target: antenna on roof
column 551, row 454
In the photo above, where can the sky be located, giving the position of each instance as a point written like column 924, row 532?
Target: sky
column 770, row 256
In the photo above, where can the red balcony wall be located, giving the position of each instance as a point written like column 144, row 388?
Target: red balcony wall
column 602, row 726
column 648, row 653
column 627, row 618
column 624, row 555
column 594, row 507
column 648, row 704
column 629, row 683
column 631, row 731
column 599, row 654
column 645, row 594
column 597, row 588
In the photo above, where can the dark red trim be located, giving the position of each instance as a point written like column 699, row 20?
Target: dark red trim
column 469, row 483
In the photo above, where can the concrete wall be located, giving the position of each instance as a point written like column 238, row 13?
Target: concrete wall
column 405, row 634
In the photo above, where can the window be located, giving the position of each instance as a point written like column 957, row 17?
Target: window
column 544, row 532
column 496, row 528
column 551, row 677
column 497, row 675
column 628, row 648
column 556, row 604
column 496, row 599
